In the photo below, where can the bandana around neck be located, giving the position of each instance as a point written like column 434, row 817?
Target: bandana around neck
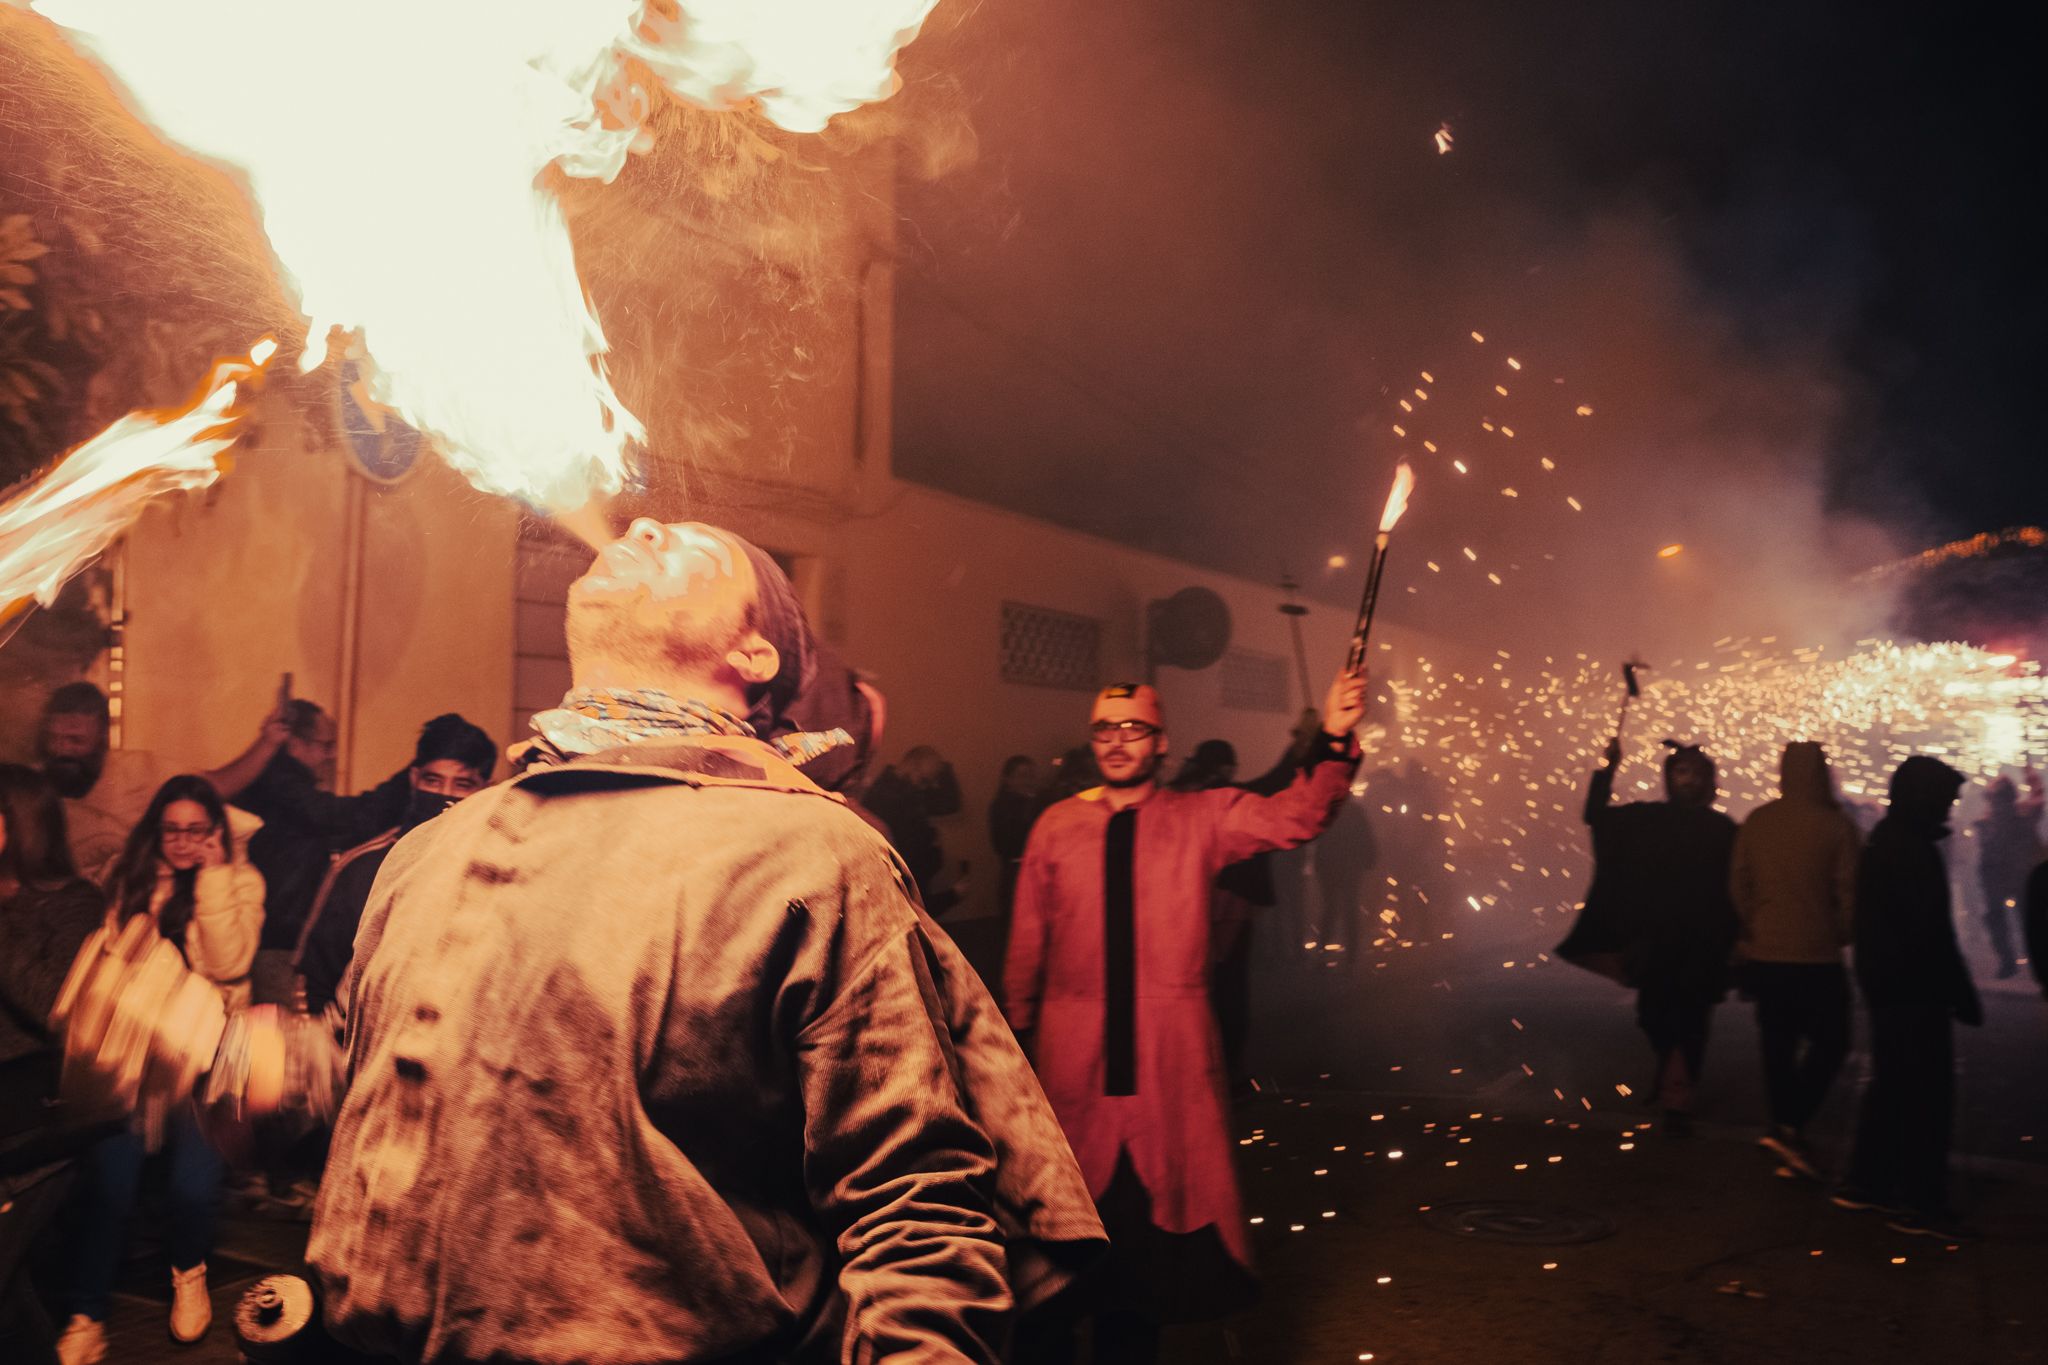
column 592, row 720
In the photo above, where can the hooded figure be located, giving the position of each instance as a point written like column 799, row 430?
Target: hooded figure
column 2008, row 847
column 1915, row 985
column 1657, row 916
column 1794, row 886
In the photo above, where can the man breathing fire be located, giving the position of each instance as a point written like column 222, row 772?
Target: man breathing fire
column 641, row 1056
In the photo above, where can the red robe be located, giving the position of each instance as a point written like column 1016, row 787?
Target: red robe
column 1176, row 1126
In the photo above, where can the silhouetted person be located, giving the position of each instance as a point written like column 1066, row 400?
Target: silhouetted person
column 1011, row 814
column 1794, row 885
column 2008, row 847
column 907, row 796
column 46, row 912
column 1915, row 985
column 2037, row 925
column 1242, row 891
column 1658, row 915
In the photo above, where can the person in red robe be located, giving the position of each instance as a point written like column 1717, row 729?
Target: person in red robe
column 1107, row 978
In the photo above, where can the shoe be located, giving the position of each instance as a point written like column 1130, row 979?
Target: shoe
column 191, row 1306
column 1786, row 1144
column 1941, row 1224
column 293, row 1202
column 84, row 1341
column 1861, row 1201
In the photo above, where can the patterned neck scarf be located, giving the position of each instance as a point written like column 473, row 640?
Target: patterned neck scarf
column 592, row 720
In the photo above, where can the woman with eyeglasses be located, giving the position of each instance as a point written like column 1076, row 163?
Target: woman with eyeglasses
column 183, row 867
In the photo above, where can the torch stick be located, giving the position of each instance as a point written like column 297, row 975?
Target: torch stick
column 1397, row 503
column 1628, row 676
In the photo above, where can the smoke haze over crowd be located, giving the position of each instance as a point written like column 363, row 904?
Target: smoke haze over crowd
column 1207, row 250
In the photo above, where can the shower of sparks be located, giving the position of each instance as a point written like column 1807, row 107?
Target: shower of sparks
column 1505, row 760
column 1975, row 547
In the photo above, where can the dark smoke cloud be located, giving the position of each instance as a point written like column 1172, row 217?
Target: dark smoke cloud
column 1207, row 246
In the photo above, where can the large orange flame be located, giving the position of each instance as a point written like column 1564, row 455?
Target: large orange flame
column 61, row 523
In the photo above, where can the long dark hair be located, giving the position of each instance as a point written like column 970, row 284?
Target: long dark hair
column 37, row 851
column 135, row 876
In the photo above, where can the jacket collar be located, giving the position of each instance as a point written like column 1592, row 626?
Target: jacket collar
column 692, row 760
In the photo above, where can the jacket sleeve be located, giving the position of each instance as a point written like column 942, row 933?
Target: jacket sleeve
column 899, row 1170
column 39, row 950
column 1247, row 823
column 1599, row 795
column 1846, row 853
column 1024, row 960
column 1742, row 884
column 227, row 921
column 345, row 821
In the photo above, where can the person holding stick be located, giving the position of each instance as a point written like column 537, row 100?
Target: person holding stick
column 1107, row 978
column 1658, row 915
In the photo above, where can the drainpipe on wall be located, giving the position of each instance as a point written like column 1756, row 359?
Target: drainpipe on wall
column 355, row 515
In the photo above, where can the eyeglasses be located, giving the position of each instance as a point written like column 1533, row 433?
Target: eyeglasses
column 1121, row 731
column 174, row 833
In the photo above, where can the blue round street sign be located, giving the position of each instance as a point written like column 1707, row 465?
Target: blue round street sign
column 381, row 445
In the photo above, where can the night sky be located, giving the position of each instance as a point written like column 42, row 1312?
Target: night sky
column 1206, row 246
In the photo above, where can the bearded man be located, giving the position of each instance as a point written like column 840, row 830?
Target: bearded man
column 1108, row 972
column 647, row 1055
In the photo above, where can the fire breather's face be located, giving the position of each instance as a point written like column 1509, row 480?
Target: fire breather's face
column 681, row 593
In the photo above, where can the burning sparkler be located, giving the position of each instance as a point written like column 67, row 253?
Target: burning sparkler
column 1397, row 503
column 1631, row 690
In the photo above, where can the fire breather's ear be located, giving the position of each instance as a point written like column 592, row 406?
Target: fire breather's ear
column 754, row 659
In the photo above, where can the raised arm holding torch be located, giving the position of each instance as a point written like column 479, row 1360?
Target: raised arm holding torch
column 1397, row 503
column 1633, row 690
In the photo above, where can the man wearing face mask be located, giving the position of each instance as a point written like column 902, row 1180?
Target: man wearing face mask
column 1108, row 973
column 1660, row 908
column 452, row 760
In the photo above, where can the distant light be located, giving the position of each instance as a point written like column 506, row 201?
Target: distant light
column 1338, row 561
column 1670, row 552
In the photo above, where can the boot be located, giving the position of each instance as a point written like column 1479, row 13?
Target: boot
column 191, row 1308
column 84, row 1341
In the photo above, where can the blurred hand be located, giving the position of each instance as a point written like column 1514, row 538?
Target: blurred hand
column 1345, row 705
column 213, row 853
column 274, row 732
